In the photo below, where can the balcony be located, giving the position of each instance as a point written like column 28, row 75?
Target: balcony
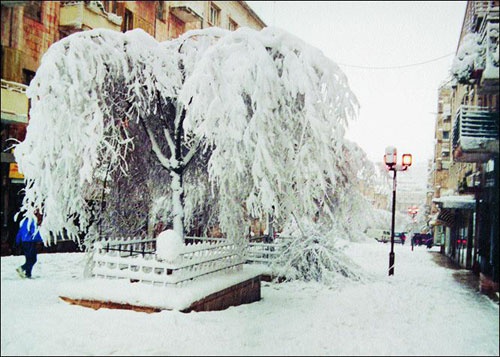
column 475, row 134
column 79, row 15
column 187, row 11
column 489, row 40
column 14, row 102
column 488, row 34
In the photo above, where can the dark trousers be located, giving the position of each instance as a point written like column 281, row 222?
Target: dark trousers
column 29, row 250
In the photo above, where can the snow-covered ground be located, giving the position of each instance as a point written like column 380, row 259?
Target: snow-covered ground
column 421, row 310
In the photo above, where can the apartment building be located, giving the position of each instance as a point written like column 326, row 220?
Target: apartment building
column 465, row 175
column 29, row 28
column 439, row 177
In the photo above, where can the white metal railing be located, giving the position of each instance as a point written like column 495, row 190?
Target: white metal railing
column 13, row 86
column 258, row 250
column 266, row 253
column 136, row 260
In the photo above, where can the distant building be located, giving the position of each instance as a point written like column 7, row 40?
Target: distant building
column 412, row 187
column 29, row 28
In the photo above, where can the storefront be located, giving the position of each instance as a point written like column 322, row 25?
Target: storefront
column 14, row 119
column 457, row 215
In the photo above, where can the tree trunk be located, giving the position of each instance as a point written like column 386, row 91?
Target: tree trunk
column 177, row 173
column 177, row 203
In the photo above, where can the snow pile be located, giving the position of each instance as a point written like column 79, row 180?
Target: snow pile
column 491, row 69
column 315, row 254
column 468, row 58
column 169, row 245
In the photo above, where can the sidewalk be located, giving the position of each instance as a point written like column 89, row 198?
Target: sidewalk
column 461, row 275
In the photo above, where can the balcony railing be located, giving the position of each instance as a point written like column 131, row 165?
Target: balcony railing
column 79, row 15
column 475, row 133
column 14, row 3
column 14, row 102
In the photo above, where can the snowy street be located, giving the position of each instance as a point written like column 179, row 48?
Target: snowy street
column 421, row 310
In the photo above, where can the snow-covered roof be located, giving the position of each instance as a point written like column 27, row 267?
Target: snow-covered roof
column 457, row 201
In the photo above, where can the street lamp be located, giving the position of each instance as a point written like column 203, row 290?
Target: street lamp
column 390, row 159
column 413, row 211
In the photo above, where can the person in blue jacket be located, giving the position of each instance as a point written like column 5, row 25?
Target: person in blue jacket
column 27, row 237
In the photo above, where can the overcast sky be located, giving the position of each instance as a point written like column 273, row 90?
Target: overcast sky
column 398, row 105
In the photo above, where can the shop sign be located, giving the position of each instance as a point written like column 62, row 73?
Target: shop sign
column 14, row 171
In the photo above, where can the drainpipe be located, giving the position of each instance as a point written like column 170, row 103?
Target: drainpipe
column 477, row 232
column 11, row 21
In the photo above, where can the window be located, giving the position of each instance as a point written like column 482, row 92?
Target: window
column 232, row 25
column 27, row 76
column 446, row 135
column 214, row 15
column 110, row 6
column 160, row 10
column 33, row 10
column 128, row 21
column 447, row 110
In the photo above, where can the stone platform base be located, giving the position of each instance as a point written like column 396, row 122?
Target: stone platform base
column 242, row 293
column 96, row 305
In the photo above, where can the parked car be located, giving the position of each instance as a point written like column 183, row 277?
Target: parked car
column 423, row 239
column 384, row 235
column 398, row 237
column 381, row 235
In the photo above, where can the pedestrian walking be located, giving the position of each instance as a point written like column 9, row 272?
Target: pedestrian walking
column 27, row 237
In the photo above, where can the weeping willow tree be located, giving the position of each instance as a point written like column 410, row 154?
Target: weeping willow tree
column 236, row 124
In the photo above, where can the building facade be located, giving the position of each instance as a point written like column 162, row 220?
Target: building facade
column 465, row 175
column 29, row 28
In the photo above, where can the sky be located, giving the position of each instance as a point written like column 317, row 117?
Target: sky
column 397, row 105
column 420, row 310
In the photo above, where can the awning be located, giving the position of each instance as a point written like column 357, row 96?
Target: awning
column 447, row 217
column 456, row 202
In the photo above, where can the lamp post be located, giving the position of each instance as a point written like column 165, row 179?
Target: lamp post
column 390, row 159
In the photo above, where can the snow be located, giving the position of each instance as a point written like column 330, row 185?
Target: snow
column 169, row 245
column 420, row 310
column 468, row 57
column 169, row 298
column 473, row 143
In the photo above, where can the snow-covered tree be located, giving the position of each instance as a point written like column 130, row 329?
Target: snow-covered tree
column 249, row 121
column 315, row 252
